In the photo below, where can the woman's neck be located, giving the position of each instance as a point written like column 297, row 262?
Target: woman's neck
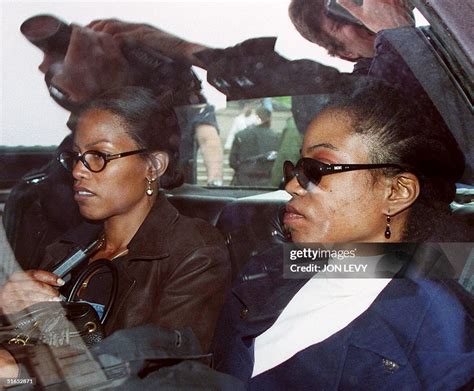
column 119, row 230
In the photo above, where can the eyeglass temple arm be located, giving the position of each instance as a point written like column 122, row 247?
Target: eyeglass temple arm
column 123, row 154
column 352, row 167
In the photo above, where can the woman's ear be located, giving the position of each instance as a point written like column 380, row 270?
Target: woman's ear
column 402, row 191
column 158, row 164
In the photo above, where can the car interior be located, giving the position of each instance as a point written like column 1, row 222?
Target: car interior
column 250, row 216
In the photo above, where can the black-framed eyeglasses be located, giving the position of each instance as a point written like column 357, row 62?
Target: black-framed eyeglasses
column 312, row 170
column 94, row 161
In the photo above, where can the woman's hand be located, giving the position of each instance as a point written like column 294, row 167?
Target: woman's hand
column 379, row 15
column 8, row 365
column 26, row 288
column 94, row 63
column 130, row 35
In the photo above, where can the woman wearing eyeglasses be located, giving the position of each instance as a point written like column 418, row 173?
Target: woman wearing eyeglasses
column 372, row 170
column 173, row 270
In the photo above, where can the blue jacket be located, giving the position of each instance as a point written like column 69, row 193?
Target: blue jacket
column 417, row 335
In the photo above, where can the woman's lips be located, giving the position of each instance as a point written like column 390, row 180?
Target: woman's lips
column 291, row 215
column 81, row 193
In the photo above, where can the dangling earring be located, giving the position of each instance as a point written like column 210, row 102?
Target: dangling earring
column 388, row 232
column 149, row 189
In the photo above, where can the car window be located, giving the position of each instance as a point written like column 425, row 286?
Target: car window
column 30, row 118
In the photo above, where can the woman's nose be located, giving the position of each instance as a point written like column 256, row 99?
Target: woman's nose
column 293, row 187
column 51, row 63
column 79, row 170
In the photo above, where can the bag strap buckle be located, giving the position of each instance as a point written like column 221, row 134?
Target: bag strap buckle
column 22, row 339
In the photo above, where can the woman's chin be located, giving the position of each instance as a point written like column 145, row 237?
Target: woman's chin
column 89, row 214
column 303, row 237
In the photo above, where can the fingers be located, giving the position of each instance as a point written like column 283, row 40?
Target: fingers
column 378, row 15
column 38, row 275
column 20, row 300
column 46, row 277
column 94, row 62
column 113, row 26
column 98, row 23
column 14, row 306
column 8, row 365
column 133, row 34
column 350, row 6
column 12, row 300
column 26, row 288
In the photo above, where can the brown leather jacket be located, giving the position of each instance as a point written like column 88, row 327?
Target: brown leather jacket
column 176, row 273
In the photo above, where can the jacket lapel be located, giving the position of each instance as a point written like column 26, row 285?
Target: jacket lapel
column 263, row 292
column 396, row 312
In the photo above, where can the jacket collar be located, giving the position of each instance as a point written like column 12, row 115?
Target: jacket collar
column 262, row 290
column 150, row 242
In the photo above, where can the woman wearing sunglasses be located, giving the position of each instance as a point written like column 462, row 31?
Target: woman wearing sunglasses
column 173, row 270
column 372, row 170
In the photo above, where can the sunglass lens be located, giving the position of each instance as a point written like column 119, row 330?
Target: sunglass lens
column 288, row 171
column 312, row 170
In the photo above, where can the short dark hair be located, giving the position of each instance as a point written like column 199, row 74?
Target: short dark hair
column 400, row 132
column 264, row 114
column 150, row 122
column 306, row 16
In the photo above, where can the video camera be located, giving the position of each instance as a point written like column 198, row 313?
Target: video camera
column 151, row 68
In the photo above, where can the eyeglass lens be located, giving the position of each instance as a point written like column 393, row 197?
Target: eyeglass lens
column 92, row 160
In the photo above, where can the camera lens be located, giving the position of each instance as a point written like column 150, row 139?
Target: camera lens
column 47, row 32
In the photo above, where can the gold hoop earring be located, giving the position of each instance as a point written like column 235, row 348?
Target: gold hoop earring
column 149, row 190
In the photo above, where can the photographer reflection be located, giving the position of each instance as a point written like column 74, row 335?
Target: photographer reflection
column 246, row 118
column 80, row 63
column 376, row 43
column 254, row 151
column 362, row 43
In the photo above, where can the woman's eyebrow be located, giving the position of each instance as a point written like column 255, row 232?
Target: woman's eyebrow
column 322, row 145
column 103, row 140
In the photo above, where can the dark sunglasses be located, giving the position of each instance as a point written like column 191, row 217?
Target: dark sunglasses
column 312, row 170
column 94, row 161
